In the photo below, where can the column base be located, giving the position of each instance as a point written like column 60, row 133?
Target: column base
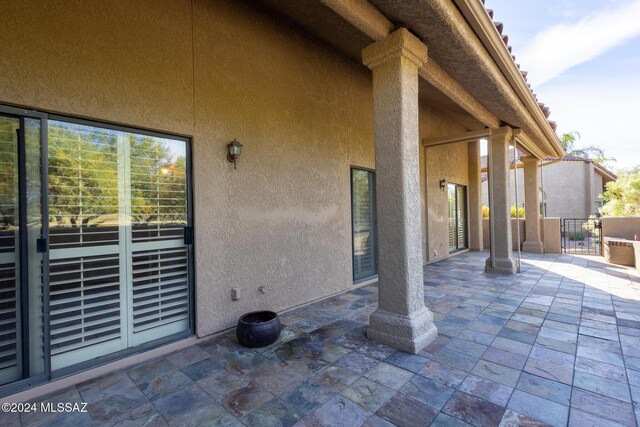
column 407, row 333
column 532, row 246
column 502, row 266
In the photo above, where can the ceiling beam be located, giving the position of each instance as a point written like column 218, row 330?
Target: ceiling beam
column 365, row 17
column 451, row 139
column 525, row 141
column 362, row 15
column 438, row 78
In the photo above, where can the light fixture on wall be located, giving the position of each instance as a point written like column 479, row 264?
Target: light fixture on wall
column 443, row 184
column 234, row 148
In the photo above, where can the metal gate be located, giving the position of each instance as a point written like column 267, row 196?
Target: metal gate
column 582, row 236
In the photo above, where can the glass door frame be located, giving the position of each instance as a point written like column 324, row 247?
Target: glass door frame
column 457, row 216
column 189, row 237
column 21, row 114
column 374, row 219
column 43, row 248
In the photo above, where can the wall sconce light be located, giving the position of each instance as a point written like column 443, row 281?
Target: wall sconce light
column 443, row 184
column 234, row 148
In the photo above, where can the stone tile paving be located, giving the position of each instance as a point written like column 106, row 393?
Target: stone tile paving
column 558, row 344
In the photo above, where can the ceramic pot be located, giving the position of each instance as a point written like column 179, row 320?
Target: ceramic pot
column 258, row 328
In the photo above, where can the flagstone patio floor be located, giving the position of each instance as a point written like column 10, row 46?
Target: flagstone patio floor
column 557, row 344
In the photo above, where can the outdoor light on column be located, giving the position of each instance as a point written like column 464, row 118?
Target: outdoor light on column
column 234, row 148
column 443, row 184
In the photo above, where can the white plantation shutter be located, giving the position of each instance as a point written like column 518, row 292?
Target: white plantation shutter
column 85, row 306
column 160, row 288
column 461, row 201
column 457, row 217
column 119, row 268
column 364, row 227
column 21, row 266
column 9, row 346
column 451, row 190
column 8, row 312
column 160, row 263
column 86, row 259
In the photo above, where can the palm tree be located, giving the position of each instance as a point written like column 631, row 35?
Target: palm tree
column 568, row 141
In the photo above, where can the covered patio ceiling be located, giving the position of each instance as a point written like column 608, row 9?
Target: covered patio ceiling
column 485, row 71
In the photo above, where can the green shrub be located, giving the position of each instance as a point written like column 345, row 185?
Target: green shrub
column 576, row 236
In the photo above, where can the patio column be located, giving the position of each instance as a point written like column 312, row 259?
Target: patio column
column 475, row 197
column 532, row 241
column 501, row 258
column 401, row 320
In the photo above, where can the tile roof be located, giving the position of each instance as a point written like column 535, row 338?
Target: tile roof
column 505, row 38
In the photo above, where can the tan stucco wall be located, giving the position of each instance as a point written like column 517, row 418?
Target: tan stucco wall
column 567, row 189
column 550, row 234
column 621, row 227
column 282, row 220
column 565, row 186
column 512, row 188
column 118, row 61
column 448, row 162
column 486, row 233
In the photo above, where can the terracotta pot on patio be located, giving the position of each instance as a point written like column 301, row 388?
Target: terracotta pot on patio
column 258, row 328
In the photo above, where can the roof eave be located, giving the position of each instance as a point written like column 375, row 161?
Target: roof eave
column 478, row 18
column 604, row 171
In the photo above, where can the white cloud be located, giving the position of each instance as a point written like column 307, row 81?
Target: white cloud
column 560, row 47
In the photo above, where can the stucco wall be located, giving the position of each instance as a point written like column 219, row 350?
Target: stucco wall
column 219, row 71
column 486, row 233
column 550, row 234
column 448, row 162
column 568, row 194
column 512, row 188
column 621, row 227
column 565, row 187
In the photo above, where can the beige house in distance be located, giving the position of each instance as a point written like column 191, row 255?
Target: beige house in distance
column 569, row 188
column 125, row 226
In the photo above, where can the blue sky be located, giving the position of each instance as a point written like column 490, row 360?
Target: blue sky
column 583, row 59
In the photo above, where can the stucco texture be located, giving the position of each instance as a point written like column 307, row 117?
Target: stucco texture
column 573, row 189
column 621, row 227
column 550, row 234
column 281, row 221
column 279, row 226
column 448, row 162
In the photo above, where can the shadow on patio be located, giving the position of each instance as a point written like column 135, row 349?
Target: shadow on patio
column 554, row 344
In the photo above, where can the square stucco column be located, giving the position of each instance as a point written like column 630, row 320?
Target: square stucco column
column 501, row 259
column 475, row 197
column 401, row 320
column 532, row 241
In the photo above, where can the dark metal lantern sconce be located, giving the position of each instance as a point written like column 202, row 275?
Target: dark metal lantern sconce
column 443, row 184
column 234, row 148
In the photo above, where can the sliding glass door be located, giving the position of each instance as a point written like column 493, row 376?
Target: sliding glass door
column 457, row 217
column 118, row 203
column 22, row 259
column 95, row 244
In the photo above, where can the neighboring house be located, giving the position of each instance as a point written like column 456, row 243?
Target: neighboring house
column 569, row 188
column 125, row 227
